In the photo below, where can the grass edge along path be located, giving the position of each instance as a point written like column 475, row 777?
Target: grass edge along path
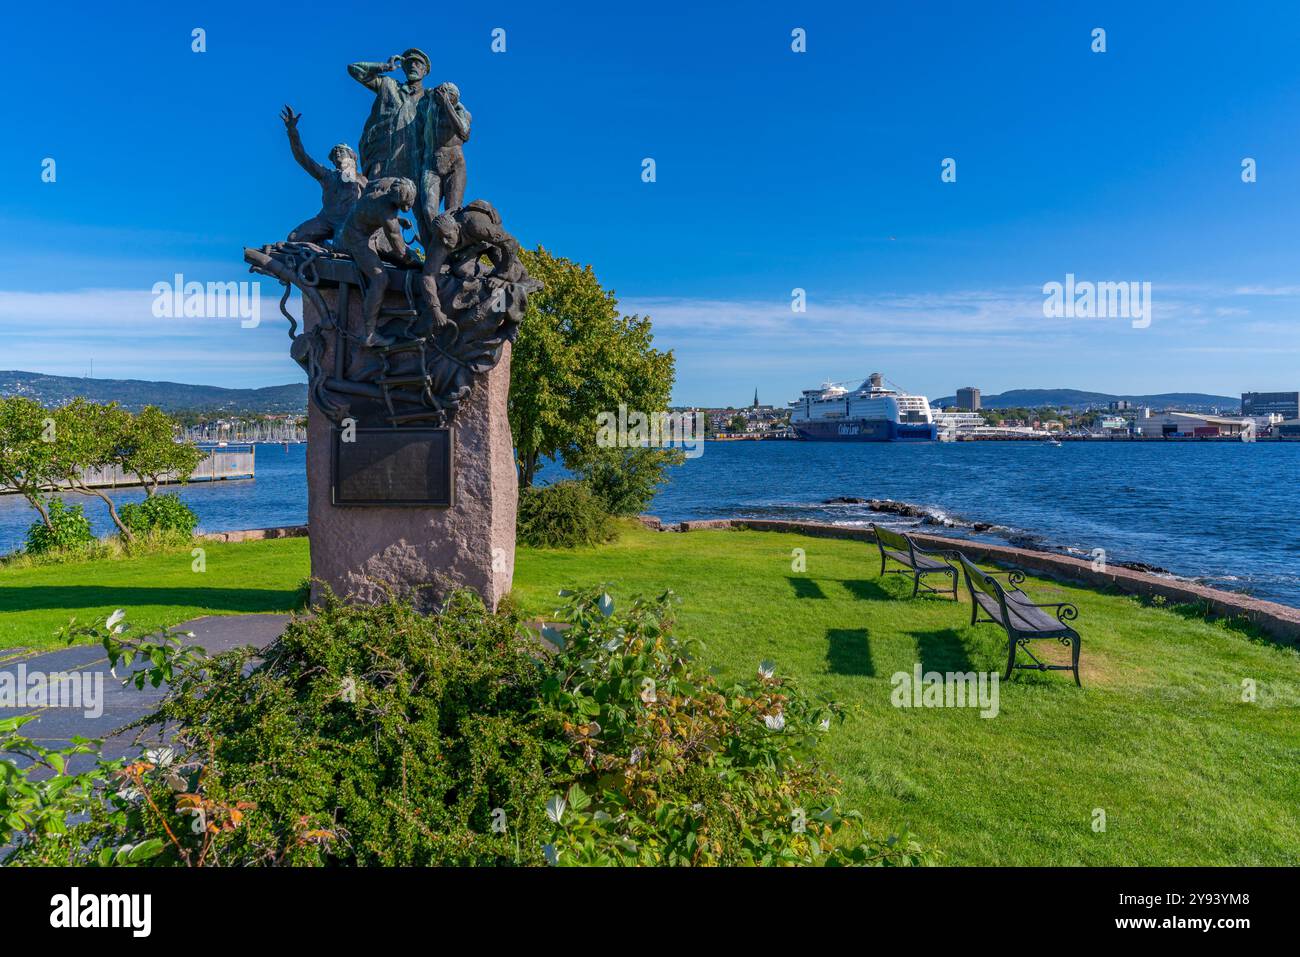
column 161, row 588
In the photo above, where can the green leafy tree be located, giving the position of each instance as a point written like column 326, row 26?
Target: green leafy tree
column 150, row 452
column 90, row 436
column 576, row 357
column 625, row 480
column 27, row 452
column 1089, row 419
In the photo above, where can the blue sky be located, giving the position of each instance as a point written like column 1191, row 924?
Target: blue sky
column 775, row 170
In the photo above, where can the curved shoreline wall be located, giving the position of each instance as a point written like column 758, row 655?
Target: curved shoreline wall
column 1277, row 620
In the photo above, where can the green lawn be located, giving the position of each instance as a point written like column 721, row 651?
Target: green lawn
column 1158, row 737
column 158, row 589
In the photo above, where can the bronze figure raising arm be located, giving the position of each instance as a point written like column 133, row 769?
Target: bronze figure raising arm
column 369, row 74
column 315, row 170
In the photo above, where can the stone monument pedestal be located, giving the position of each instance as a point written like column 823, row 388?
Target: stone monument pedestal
column 420, row 552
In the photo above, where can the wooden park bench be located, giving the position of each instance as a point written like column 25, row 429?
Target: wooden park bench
column 916, row 561
column 1022, row 620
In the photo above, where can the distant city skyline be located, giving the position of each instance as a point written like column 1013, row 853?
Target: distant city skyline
column 781, row 178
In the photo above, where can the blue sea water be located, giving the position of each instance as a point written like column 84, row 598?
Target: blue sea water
column 1222, row 513
column 277, row 496
column 1218, row 512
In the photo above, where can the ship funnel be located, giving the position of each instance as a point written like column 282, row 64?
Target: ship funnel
column 874, row 380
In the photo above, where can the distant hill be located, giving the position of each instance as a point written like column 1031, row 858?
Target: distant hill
column 134, row 394
column 1076, row 398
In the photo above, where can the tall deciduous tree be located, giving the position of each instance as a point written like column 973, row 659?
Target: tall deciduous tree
column 576, row 357
column 90, row 436
column 150, row 452
column 27, row 451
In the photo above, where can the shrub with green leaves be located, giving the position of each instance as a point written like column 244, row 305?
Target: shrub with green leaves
column 367, row 736
column 160, row 517
column 626, row 480
column 68, row 530
column 668, row 767
column 373, row 735
column 562, row 515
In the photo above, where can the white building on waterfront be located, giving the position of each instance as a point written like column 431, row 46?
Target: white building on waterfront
column 1160, row 424
column 954, row 426
column 959, row 422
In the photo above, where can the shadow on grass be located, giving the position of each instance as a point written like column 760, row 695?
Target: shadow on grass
column 848, row 652
column 805, row 587
column 866, row 590
column 890, row 588
column 942, row 651
column 45, row 597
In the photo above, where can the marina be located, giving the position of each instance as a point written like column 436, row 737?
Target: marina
column 222, row 462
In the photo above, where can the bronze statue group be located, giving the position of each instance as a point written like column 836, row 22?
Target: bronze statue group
column 471, row 287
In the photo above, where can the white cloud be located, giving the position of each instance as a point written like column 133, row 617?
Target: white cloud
column 997, row 338
column 930, row 340
column 62, row 332
column 1267, row 291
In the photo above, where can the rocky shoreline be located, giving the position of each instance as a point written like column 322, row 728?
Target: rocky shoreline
column 1278, row 620
column 1019, row 539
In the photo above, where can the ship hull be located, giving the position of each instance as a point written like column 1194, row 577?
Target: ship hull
column 865, row 430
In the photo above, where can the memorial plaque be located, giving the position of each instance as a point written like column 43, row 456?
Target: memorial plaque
column 393, row 467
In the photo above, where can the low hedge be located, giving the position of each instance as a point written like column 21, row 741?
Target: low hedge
column 563, row 515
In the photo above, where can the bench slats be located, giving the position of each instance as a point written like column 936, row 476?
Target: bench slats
column 1020, row 618
column 900, row 548
column 921, row 561
column 1026, row 618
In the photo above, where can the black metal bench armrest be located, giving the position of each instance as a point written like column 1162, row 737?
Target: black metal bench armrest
column 1013, row 575
column 1064, row 610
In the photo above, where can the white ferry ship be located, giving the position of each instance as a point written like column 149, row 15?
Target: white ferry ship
column 869, row 413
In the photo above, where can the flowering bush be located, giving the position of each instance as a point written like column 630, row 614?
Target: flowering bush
column 667, row 767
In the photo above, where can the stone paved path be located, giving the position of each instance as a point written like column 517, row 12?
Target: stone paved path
column 55, row 726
